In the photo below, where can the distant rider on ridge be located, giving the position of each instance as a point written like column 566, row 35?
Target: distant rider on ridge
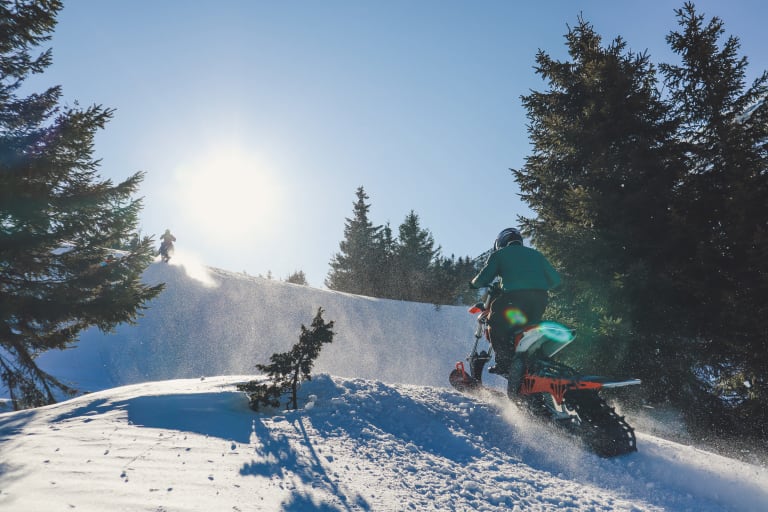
column 166, row 245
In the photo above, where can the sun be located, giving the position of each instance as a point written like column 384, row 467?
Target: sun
column 227, row 193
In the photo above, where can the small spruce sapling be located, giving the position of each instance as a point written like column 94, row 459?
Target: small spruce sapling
column 288, row 369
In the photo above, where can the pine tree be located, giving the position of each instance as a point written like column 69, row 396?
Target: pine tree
column 58, row 219
column 722, row 228
column 354, row 267
column 297, row 277
column 415, row 255
column 288, row 369
column 599, row 179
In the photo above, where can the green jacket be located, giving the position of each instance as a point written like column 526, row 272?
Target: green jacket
column 520, row 268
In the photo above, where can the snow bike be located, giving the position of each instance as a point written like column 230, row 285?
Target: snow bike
column 549, row 390
column 166, row 251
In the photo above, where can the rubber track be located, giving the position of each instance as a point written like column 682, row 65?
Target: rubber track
column 601, row 428
column 604, row 431
column 597, row 425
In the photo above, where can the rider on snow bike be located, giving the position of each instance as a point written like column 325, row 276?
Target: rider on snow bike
column 166, row 245
column 524, row 279
column 510, row 315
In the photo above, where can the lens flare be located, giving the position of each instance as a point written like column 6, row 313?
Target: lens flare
column 557, row 332
column 515, row 317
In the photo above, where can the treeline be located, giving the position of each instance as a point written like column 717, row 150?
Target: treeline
column 649, row 186
column 372, row 261
column 58, row 217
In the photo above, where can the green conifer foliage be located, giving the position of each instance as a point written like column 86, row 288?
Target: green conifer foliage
column 287, row 370
column 599, row 180
column 372, row 262
column 354, row 266
column 653, row 208
column 449, row 280
column 297, row 277
column 414, row 261
column 58, row 219
column 722, row 219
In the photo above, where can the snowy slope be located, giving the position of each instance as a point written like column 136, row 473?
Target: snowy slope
column 193, row 445
column 379, row 429
column 213, row 322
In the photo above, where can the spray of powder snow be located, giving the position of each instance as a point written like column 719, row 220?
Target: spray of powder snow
column 193, row 267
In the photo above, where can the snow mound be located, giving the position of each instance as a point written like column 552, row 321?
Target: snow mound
column 194, row 444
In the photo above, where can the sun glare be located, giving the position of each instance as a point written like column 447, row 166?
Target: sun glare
column 226, row 194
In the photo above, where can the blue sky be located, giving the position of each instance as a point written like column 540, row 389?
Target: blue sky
column 256, row 121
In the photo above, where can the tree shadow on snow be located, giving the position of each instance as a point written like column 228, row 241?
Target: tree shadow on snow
column 224, row 415
column 280, row 459
column 376, row 416
column 13, row 424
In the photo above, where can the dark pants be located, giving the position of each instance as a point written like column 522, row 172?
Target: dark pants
column 510, row 312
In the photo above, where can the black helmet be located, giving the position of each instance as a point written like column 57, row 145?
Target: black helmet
column 506, row 237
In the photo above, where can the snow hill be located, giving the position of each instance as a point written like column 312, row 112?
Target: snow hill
column 213, row 322
column 164, row 429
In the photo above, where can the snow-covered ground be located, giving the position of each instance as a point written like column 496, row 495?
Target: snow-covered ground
column 378, row 430
column 356, row 444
